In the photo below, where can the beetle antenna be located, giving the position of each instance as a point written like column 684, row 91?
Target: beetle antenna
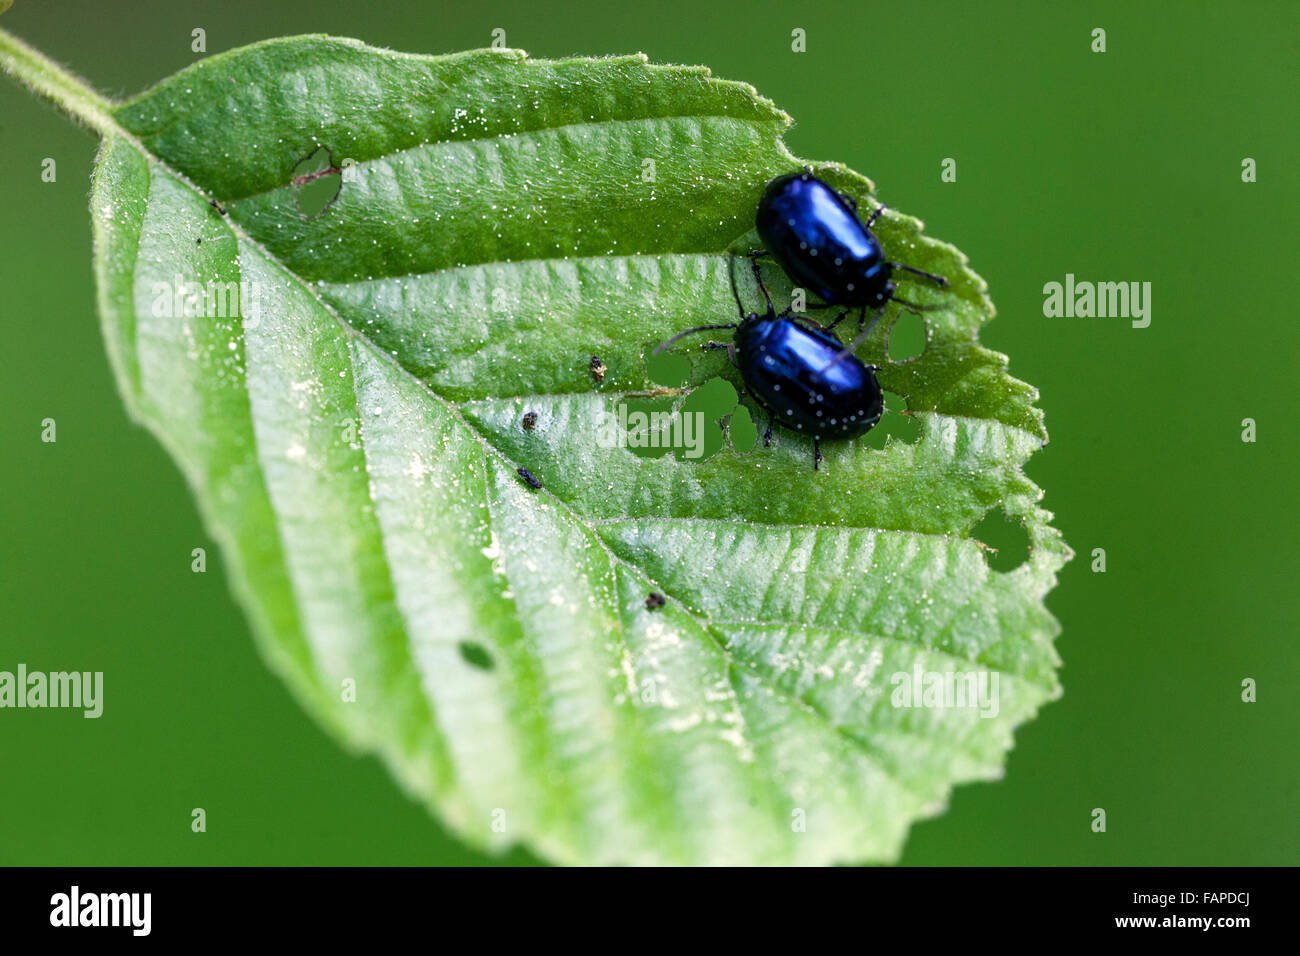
column 698, row 328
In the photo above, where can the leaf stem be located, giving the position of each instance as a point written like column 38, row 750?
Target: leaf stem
column 66, row 90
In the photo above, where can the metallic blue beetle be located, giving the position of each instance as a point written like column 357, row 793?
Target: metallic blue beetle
column 802, row 376
column 815, row 234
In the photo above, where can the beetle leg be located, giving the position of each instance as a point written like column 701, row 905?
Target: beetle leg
column 735, row 293
column 852, row 346
column 817, row 454
column 876, row 215
column 918, row 272
column 758, row 277
column 836, row 321
column 729, row 346
column 864, row 332
column 811, row 325
column 767, row 435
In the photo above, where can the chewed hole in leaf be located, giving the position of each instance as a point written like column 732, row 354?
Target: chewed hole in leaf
column 668, row 368
column 907, row 337
column 742, row 430
column 894, row 425
column 317, row 182
column 1005, row 541
column 476, row 655
column 701, row 415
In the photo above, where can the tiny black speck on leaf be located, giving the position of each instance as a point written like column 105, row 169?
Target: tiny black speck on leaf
column 476, row 655
column 528, row 477
column 598, row 368
column 654, row 600
column 530, row 421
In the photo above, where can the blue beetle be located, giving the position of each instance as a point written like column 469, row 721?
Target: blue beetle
column 801, row 376
column 814, row 232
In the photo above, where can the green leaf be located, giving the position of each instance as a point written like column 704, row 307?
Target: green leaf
column 354, row 444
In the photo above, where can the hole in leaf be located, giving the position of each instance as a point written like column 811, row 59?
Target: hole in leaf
column 743, row 431
column 714, row 399
column 668, row 368
column 705, row 407
column 476, row 655
column 317, row 182
column 1006, row 541
column 907, row 337
column 893, row 424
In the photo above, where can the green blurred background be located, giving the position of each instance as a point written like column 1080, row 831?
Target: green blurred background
column 1117, row 166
